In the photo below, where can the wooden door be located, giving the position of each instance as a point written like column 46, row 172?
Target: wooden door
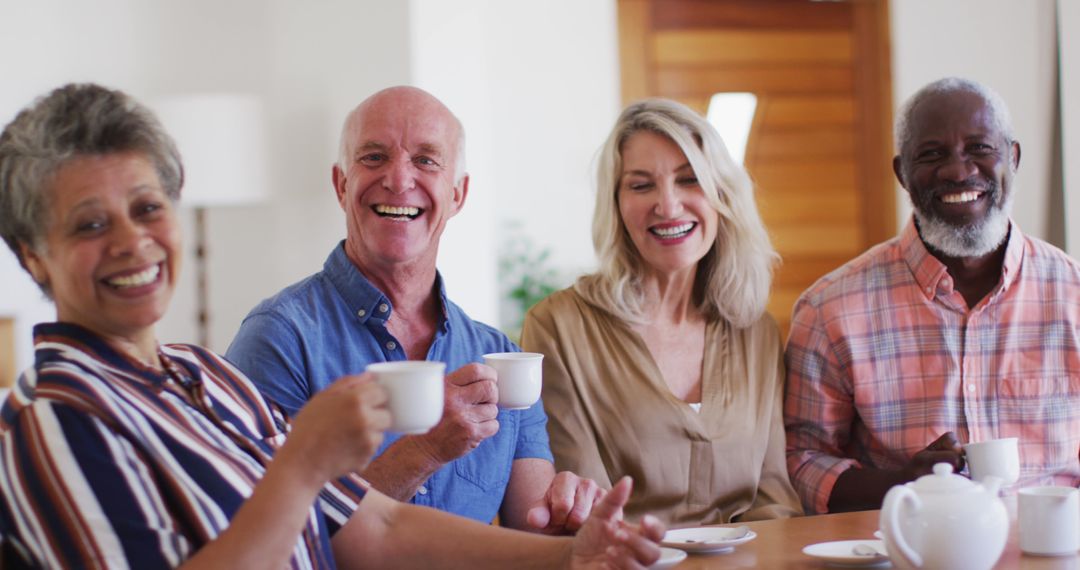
column 820, row 148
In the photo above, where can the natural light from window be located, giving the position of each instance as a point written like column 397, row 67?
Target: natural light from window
column 732, row 114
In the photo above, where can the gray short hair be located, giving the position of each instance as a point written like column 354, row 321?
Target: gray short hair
column 999, row 111
column 72, row 121
column 734, row 277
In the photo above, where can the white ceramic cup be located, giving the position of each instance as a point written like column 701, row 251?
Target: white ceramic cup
column 1049, row 519
column 520, row 377
column 997, row 457
column 415, row 388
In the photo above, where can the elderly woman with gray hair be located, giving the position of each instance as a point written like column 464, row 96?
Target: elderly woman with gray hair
column 118, row 451
column 663, row 364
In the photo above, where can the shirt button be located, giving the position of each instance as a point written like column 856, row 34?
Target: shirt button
column 971, row 387
column 392, row 345
column 422, row 490
column 383, row 308
column 361, row 313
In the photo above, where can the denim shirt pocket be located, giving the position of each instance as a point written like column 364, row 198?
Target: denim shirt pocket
column 488, row 466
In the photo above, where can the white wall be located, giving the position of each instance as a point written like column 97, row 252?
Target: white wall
column 44, row 44
column 1007, row 45
column 556, row 100
column 536, row 86
column 450, row 60
column 311, row 63
column 320, row 59
column 1068, row 23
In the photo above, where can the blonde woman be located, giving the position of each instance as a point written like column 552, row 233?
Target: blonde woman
column 663, row 364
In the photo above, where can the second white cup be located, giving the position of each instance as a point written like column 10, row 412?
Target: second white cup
column 1049, row 519
column 520, row 377
column 997, row 457
column 416, row 389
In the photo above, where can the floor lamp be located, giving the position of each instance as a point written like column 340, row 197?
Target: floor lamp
column 221, row 137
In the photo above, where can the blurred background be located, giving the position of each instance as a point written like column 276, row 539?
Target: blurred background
column 537, row 86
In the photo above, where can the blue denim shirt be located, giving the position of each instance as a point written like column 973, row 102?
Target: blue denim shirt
column 333, row 323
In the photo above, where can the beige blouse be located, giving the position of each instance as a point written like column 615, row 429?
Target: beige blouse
column 611, row 414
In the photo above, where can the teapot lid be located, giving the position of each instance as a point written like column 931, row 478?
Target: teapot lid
column 943, row 479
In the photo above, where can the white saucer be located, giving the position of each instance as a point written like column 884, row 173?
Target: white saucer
column 839, row 553
column 668, row 558
column 705, row 539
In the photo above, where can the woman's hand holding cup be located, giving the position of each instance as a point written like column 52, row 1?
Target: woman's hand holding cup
column 339, row 430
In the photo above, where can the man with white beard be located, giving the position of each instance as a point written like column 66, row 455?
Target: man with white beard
column 960, row 329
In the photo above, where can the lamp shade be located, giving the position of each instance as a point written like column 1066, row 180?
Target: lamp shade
column 221, row 137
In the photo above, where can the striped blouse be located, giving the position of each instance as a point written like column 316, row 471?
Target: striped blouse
column 107, row 463
column 884, row 356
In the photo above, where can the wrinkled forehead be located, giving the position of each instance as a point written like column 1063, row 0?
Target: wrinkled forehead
column 406, row 123
column 960, row 112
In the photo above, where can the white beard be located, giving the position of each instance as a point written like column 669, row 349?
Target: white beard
column 967, row 241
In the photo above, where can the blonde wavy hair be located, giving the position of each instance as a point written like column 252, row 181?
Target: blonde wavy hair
column 734, row 277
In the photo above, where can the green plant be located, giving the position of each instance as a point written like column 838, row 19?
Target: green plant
column 525, row 278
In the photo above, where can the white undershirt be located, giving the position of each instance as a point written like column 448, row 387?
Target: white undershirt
column 696, row 406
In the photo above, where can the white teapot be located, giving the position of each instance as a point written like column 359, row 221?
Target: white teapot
column 945, row 521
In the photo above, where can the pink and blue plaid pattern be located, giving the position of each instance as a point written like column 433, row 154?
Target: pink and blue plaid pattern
column 884, row 356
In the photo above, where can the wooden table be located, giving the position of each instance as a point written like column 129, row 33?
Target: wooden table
column 779, row 544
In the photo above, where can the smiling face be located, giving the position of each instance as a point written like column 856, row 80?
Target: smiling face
column 664, row 209
column 958, row 169
column 398, row 185
column 111, row 251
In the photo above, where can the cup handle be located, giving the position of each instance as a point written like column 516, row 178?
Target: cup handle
column 896, row 499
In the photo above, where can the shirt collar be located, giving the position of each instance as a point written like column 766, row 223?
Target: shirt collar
column 92, row 344
column 930, row 273
column 1014, row 256
column 365, row 300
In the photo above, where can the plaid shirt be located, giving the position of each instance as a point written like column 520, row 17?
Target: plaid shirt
column 884, row 356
